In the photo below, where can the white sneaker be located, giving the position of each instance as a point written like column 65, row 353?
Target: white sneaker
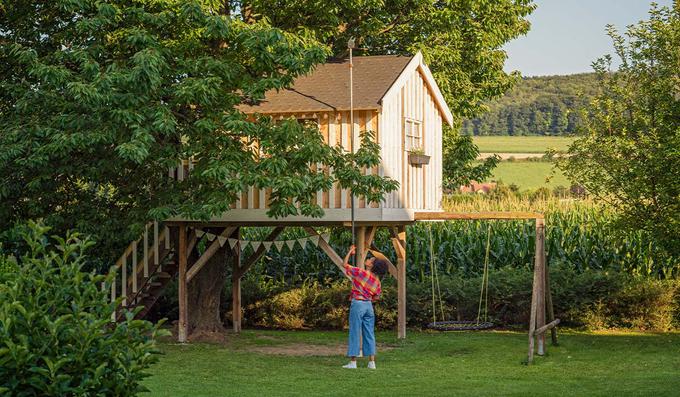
column 351, row 365
column 371, row 365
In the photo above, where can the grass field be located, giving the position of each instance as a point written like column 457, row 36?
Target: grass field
column 529, row 174
column 426, row 364
column 521, row 144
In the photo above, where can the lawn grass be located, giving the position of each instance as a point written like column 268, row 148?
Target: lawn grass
column 529, row 174
column 521, row 144
column 470, row 364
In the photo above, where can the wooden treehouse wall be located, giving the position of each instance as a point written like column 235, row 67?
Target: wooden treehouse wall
column 420, row 186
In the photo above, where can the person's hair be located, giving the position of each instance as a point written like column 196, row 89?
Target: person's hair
column 379, row 267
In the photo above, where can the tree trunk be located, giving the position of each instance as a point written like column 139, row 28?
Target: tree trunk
column 205, row 296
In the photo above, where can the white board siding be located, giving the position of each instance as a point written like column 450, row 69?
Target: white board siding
column 420, row 187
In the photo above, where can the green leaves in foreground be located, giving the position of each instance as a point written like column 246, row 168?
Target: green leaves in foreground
column 56, row 335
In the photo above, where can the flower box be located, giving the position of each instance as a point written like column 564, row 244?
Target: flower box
column 418, row 159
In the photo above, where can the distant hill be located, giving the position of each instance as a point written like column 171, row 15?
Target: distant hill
column 546, row 105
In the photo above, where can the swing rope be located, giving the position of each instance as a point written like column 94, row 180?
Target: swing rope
column 484, row 292
column 435, row 280
column 482, row 316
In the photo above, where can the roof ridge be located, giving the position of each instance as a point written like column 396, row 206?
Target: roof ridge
column 343, row 60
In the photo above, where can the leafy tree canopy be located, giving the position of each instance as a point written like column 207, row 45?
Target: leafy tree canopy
column 99, row 99
column 461, row 40
column 629, row 152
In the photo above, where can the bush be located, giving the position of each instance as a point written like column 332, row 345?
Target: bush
column 593, row 299
column 56, row 335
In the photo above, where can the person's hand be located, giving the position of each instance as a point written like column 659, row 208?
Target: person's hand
column 352, row 250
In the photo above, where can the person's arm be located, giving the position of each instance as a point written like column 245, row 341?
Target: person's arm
column 351, row 252
column 349, row 269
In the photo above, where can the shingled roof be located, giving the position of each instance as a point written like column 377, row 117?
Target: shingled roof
column 327, row 87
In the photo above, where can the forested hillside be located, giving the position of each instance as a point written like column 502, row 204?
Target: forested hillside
column 546, row 105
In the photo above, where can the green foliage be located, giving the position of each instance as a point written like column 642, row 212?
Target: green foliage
column 459, row 167
column 56, row 335
column 461, row 40
column 546, row 105
column 594, row 299
column 628, row 152
column 98, row 100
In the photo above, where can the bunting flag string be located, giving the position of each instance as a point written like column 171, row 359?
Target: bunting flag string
column 279, row 245
column 303, row 241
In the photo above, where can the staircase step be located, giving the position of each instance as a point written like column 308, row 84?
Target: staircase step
column 155, row 284
column 163, row 275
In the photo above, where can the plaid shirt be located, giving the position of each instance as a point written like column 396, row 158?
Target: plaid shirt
column 365, row 285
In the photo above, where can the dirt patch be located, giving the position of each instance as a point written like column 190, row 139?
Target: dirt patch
column 305, row 349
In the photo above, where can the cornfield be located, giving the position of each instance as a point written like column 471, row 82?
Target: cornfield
column 578, row 233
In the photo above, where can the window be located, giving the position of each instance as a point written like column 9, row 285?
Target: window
column 413, row 134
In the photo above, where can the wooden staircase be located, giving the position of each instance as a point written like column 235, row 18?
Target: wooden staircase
column 143, row 271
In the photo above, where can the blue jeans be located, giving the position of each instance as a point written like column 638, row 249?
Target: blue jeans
column 361, row 324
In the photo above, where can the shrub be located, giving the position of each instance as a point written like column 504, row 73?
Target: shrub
column 593, row 299
column 56, row 335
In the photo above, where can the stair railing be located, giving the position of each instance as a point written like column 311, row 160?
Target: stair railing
column 130, row 271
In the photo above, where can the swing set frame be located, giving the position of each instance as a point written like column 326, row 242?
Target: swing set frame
column 541, row 315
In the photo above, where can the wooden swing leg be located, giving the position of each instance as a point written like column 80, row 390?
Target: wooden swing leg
column 548, row 302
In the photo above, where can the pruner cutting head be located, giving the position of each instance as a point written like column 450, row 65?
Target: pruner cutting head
column 351, row 44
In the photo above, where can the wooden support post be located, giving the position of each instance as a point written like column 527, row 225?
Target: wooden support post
column 146, row 251
column 134, row 267
column 113, row 295
column 399, row 242
column 361, row 247
column 549, row 302
column 540, row 313
column 123, row 285
column 236, row 284
column 551, row 325
column 156, row 258
column 183, row 327
column 534, row 294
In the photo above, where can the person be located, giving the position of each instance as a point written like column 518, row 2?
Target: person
column 365, row 290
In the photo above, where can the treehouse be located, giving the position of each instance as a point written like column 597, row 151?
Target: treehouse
column 397, row 98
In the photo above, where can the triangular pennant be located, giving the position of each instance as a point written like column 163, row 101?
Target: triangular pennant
column 302, row 242
column 222, row 240
column 314, row 240
column 279, row 245
column 256, row 244
column 232, row 242
column 267, row 245
column 210, row 236
column 199, row 233
column 326, row 237
column 290, row 244
column 244, row 244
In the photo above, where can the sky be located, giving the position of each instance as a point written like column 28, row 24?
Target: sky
column 566, row 36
